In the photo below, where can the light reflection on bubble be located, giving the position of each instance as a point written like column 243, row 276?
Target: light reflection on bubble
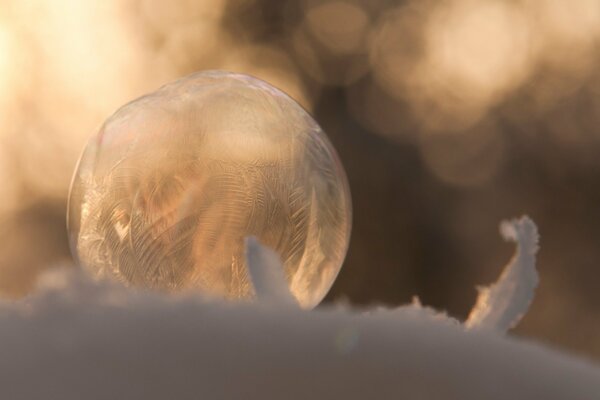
column 166, row 192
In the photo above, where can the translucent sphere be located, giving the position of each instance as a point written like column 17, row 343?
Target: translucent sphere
column 165, row 193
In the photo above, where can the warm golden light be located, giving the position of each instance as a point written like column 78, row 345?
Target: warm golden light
column 271, row 65
column 166, row 192
column 5, row 56
column 464, row 110
column 340, row 26
column 397, row 47
column 475, row 52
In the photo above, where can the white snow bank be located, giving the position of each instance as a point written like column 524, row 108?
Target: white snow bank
column 80, row 340
column 76, row 339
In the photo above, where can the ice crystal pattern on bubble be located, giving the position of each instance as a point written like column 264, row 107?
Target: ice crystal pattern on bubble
column 167, row 190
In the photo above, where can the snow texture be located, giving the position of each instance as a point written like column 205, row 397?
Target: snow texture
column 501, row 306
column 266, row 273
column 78, row 339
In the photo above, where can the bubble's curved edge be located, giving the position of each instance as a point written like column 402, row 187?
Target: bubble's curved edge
column 246, row 78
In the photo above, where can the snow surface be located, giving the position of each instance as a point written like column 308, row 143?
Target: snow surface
column 78, row 339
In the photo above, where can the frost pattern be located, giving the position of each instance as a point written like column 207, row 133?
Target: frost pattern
column 500, row 306
column 167, row 190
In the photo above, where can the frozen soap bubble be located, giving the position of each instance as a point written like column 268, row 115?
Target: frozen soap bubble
column 165, row 193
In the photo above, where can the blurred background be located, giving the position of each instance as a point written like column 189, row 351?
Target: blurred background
column 449, row 116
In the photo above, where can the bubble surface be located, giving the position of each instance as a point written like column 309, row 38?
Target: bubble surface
column 165, row 193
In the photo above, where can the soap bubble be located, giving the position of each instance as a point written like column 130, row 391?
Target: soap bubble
column 165, row 193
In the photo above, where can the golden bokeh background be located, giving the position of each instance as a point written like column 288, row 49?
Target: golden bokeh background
column 448, row 115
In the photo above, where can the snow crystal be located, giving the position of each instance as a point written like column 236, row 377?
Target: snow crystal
column 500, row 306
column 266, row 273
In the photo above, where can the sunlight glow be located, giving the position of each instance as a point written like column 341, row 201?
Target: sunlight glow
column 5, row 50
column 475, row 52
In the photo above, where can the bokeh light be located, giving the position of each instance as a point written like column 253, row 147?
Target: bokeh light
column 448, row 116
column 342, row 27
column 474, row 53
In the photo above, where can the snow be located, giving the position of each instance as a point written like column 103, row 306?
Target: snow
column 79, row 339
column 266, row 274
column 501, row 305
